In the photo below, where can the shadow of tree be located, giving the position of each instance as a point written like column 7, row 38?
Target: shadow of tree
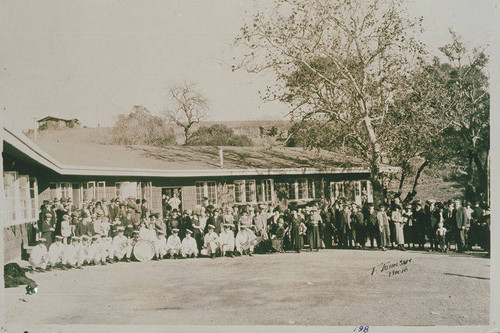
column 246, row 157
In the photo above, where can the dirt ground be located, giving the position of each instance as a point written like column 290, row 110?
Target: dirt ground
column 330, row 287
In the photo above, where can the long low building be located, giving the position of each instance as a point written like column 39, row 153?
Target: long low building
column 50, row 169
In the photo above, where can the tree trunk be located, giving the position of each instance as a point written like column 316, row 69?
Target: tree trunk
column 482, row 173
column 379, row 192
column 186, row 135
column 401, row 181
column 413, row 191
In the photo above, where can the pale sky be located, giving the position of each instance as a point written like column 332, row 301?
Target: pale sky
column 92, row 60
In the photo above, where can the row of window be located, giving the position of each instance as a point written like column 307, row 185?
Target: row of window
column 245, row 191
column 21, row 192
column 93, row 190
column 252, row 191
column 21, row 198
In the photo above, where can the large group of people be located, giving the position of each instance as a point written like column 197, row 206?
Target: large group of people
column 99, row 233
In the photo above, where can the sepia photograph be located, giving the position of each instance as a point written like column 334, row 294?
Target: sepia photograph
column 287, row 164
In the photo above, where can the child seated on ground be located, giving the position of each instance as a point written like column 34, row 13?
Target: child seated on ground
column 441, row 236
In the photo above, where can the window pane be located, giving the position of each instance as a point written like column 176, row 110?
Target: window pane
column 34, row 197
column 292, row 188
column 10, row 194
column 200, row 192
column 239, row 191
column 101, row 190
column 250, row 190
column 212, row 193
column 261, row 184
column 269, row 190
column 303, row 189
column 318, row 188
column 24, row 197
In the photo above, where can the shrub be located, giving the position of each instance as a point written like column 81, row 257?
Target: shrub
column 218, row 135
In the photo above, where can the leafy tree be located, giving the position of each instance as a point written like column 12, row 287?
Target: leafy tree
column 464, row 100
column 218, row 135
column 337, row 62
column 140, row 127
column 188, row 106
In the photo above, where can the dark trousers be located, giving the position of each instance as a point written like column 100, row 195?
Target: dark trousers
column 373, row 234
column 431, row 235
column 351, row 238
column 460, row 235
column 361, row 234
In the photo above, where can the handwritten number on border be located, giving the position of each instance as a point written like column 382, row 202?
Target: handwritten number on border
column 361, row 329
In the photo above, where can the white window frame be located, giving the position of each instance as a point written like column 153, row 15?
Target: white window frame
column 242, row 184
column 98, row 189
column 262, row 184
column 309, row 182
column 34, row 200
column 86, row 188
column 24, row 213
column 63, row 194
column 205, row 187
column 13, row 211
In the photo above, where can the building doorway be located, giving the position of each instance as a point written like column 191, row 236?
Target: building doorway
column 167, row 193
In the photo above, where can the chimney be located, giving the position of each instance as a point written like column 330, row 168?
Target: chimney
column 221, row 158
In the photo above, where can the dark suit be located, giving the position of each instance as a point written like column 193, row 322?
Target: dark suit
column 461, row 223
column 360, row 228
column 114, row 211
column 44, row 227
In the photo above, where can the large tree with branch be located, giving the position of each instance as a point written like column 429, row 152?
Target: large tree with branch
column 339, row 62
column 188, row 106
column 464, row 100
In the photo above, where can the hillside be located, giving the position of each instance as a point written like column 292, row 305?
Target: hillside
column 102, row 135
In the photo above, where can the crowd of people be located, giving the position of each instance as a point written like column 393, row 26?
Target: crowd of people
column 98, row 233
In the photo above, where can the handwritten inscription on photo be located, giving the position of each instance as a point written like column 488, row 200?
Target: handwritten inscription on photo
column 392, row 268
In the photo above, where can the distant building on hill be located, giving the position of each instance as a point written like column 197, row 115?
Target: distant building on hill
column 57, row 123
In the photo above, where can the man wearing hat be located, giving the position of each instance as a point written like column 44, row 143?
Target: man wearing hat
column 173, row 222
column 211, row 241
column 461, row 225
column 419, row 225
column 383, row 226
column 56, row 252
column 431, row 223
column 173, row 244
column 39, row 256
column 226, row 240
column 188, row 246
column 47, row 228
column 114, row 210
column 122, row 247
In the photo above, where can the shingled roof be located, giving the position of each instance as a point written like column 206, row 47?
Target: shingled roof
column 73, row 157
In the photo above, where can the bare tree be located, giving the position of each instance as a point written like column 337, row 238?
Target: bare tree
column 188, row 106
